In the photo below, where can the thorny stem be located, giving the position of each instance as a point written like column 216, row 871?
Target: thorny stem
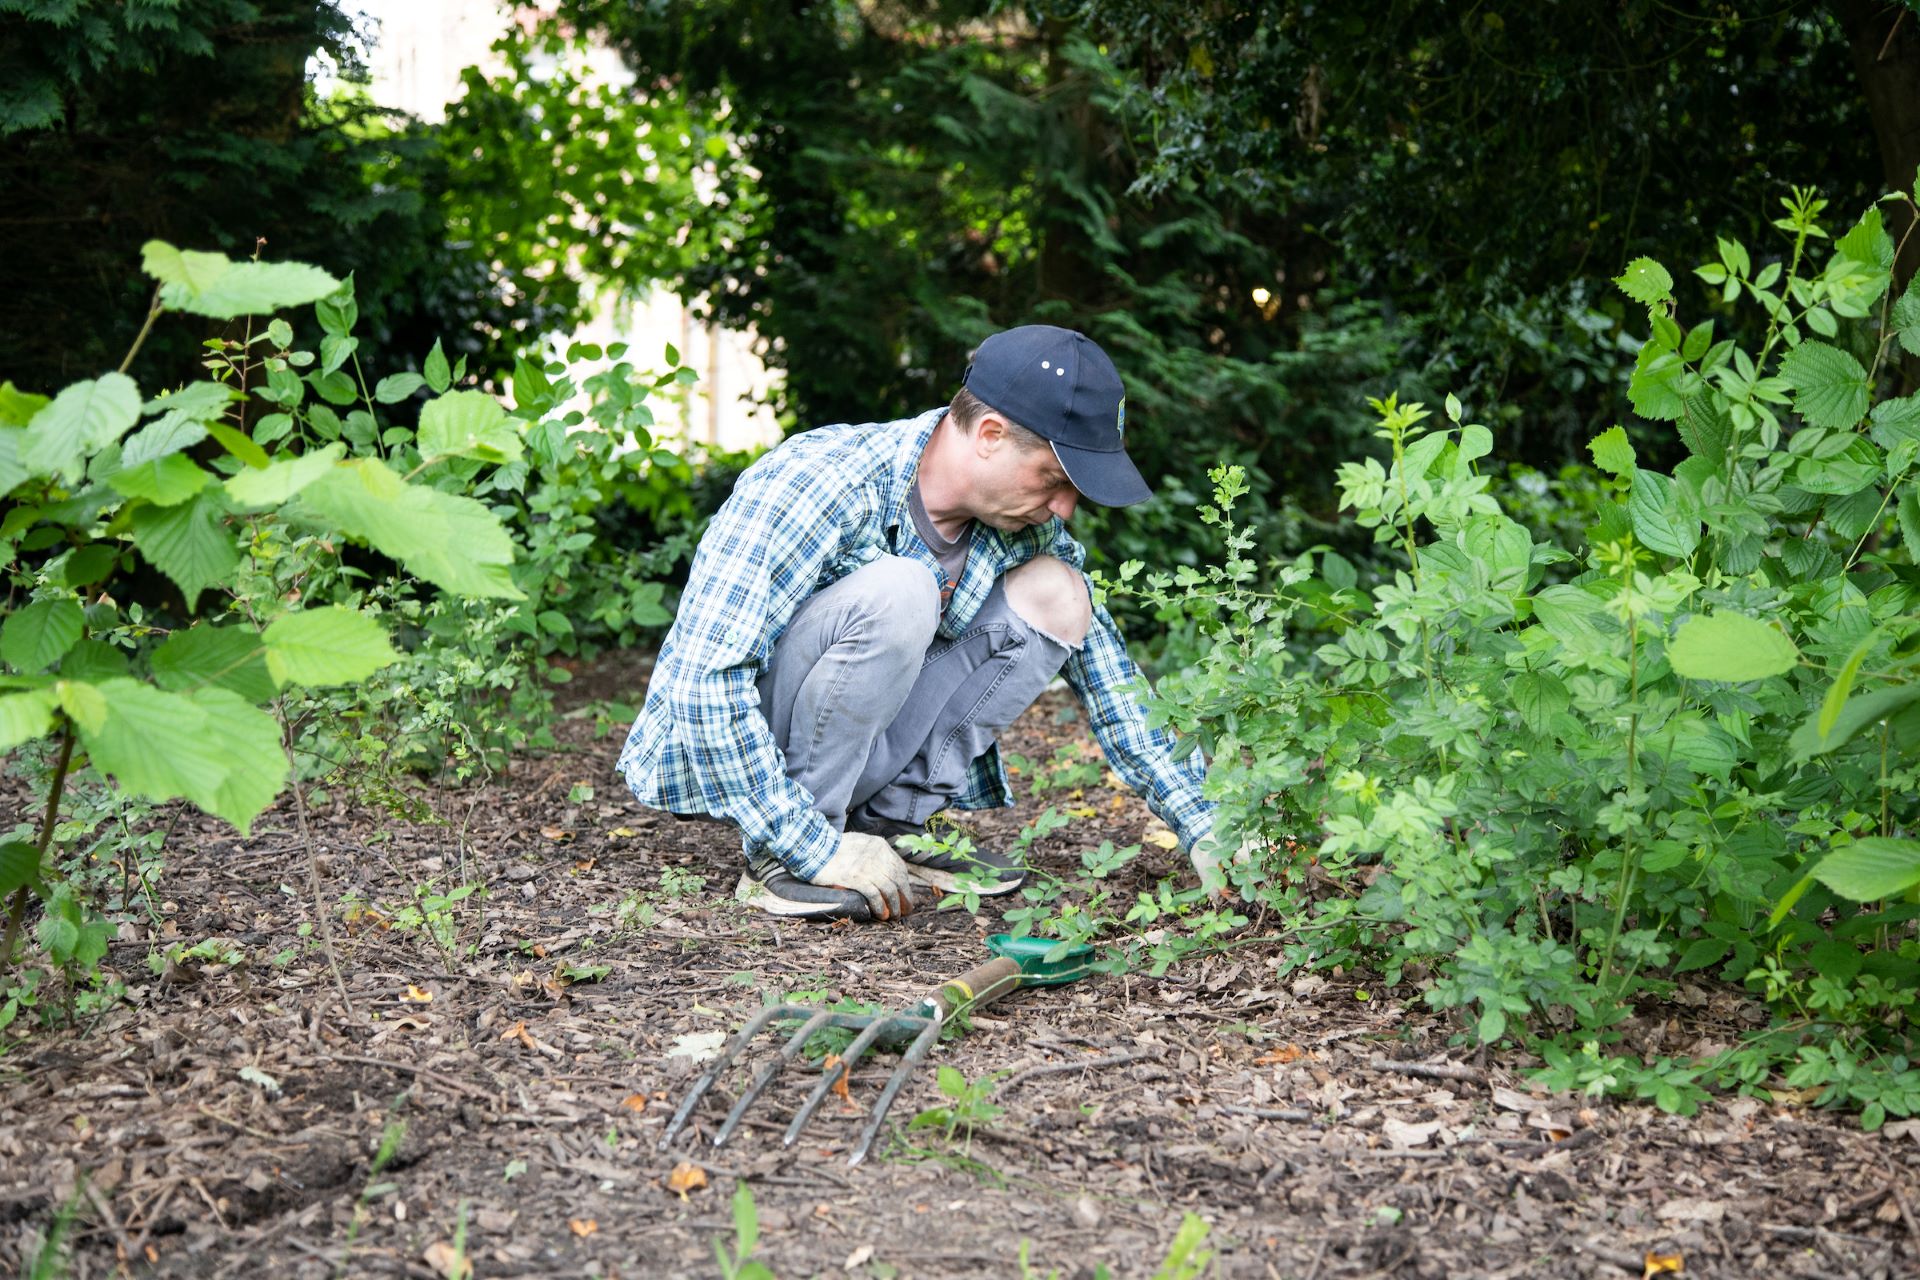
column 17, row 913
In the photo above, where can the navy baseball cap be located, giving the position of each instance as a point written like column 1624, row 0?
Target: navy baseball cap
column 1059, row 384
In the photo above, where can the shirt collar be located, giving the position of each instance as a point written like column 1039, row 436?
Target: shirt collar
column 906, row 463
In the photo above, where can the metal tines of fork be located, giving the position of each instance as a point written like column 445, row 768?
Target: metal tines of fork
column 917, row 1030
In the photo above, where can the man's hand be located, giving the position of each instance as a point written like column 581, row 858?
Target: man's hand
column 868, row 866
column 1211, row 862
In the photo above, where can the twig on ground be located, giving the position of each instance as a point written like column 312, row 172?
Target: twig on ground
column 112, row 1221
column 1067, row 1068
column 1430, row 1070
column 1269, row 1113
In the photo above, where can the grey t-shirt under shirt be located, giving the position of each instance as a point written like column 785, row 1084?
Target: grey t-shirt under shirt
column 952, row 555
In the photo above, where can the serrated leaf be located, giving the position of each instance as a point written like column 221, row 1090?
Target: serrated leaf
column 87, row 565
column 210, row 748
column 468, row 424
column 238, row 444
column 1730, row 647
column 435, row 370
column 83, row 702
column 93, row 661
column 189, row 543
column 12, row 471
column 1662, row 520
column 1830, row 387
column 1908, row 511
column 397, row 387
column 1654, row 388
column 20, row 865
column 326, row 646
column 453, row 542
column 81, row 420
column 280, row 481
column 161, row 439
column 1645, row 281
column 1612, row 451
column 1539, row 696
column 35, row 637
column 1870, row 869
column 231, row 657
column 1852, row 716
column 25, row 716
column 1906, row 317
column 189, row 269
column 17, row 407
column 165, row 482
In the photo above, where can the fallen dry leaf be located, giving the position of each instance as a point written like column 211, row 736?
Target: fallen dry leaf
column 1691, row 1209
column 1161, row 838
column 447, row 1261
column 857, row 1257
column 583, row 866
column 1403, row 1134
column 582, row 1227
column 1282, row 1056
column 1663, row 1264
column 635, row 1102
column 556, row 833
column 686, row 1176
column 832, row 1062
column 514, row 1032
column 621, row 833
column 417, row 996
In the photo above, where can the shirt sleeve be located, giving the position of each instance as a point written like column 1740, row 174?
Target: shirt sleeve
column 1101, row 673
column 759, row 558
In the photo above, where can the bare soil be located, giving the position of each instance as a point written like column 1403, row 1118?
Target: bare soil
column 227, row 1118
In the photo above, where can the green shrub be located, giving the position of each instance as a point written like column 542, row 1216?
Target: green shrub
column 1549, row 780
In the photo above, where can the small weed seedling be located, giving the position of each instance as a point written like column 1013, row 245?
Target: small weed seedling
column 738, row 1264
column 391, row 1137
column 968, row 1110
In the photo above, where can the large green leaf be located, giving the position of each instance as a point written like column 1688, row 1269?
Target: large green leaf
column 189, row 543
column 1870, row 869
column 17, row 407
column 279, row 481
column 209, row 284
column 256, row 761
column 1538, row 696
column 1855, row 714
column 1830, row 387
column 1731, row 647
column 211, row 748
column 1612, row 451
column 12, row 470
column 25, row 716
column 34, row 637
column 230, row 657
column 165, row 482
column 81, row 420
column 1906, row 317
column 1501, row 549
column 1908, row 511
column 1663, row 519
column 328, row 645
column 453, row 542
column 468, row 424
column 19, row 865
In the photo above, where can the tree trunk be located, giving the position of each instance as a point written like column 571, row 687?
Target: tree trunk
column 1885, row 39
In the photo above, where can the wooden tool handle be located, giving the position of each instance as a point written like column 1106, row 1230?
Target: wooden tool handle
column 979, row 986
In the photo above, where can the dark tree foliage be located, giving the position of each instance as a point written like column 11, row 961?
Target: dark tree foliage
column 912, row 178
column 1454, row 182
column 193, row 121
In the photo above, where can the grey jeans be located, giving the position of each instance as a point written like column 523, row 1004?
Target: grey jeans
column 877, row 715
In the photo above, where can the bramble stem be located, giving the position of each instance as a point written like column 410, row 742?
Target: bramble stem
column 17, row 909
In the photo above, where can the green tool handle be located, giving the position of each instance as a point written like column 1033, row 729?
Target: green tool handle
column 978, row 986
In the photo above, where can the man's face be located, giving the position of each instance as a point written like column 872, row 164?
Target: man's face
column 1018, row 488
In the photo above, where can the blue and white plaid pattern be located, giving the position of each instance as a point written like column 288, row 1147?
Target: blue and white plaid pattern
column 804, row 516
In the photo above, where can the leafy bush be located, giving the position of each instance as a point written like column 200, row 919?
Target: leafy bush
column 1549, row 780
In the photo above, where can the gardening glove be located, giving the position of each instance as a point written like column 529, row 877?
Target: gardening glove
column 1211, row 862
column 868, row 866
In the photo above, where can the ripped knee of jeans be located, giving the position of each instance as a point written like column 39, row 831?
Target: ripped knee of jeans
column 1050, row 595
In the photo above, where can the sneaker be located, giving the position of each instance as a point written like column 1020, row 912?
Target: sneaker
column 777, row 891
column 955, row 867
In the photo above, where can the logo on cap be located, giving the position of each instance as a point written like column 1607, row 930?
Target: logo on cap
column 1120, row 423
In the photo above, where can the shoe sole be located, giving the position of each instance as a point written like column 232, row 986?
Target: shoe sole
column 755, row 894
column 957, row 882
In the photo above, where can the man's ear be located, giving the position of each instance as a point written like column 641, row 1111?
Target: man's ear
column 989, row 434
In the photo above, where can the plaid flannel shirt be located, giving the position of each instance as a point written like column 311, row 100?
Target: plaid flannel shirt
column 811, row 511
